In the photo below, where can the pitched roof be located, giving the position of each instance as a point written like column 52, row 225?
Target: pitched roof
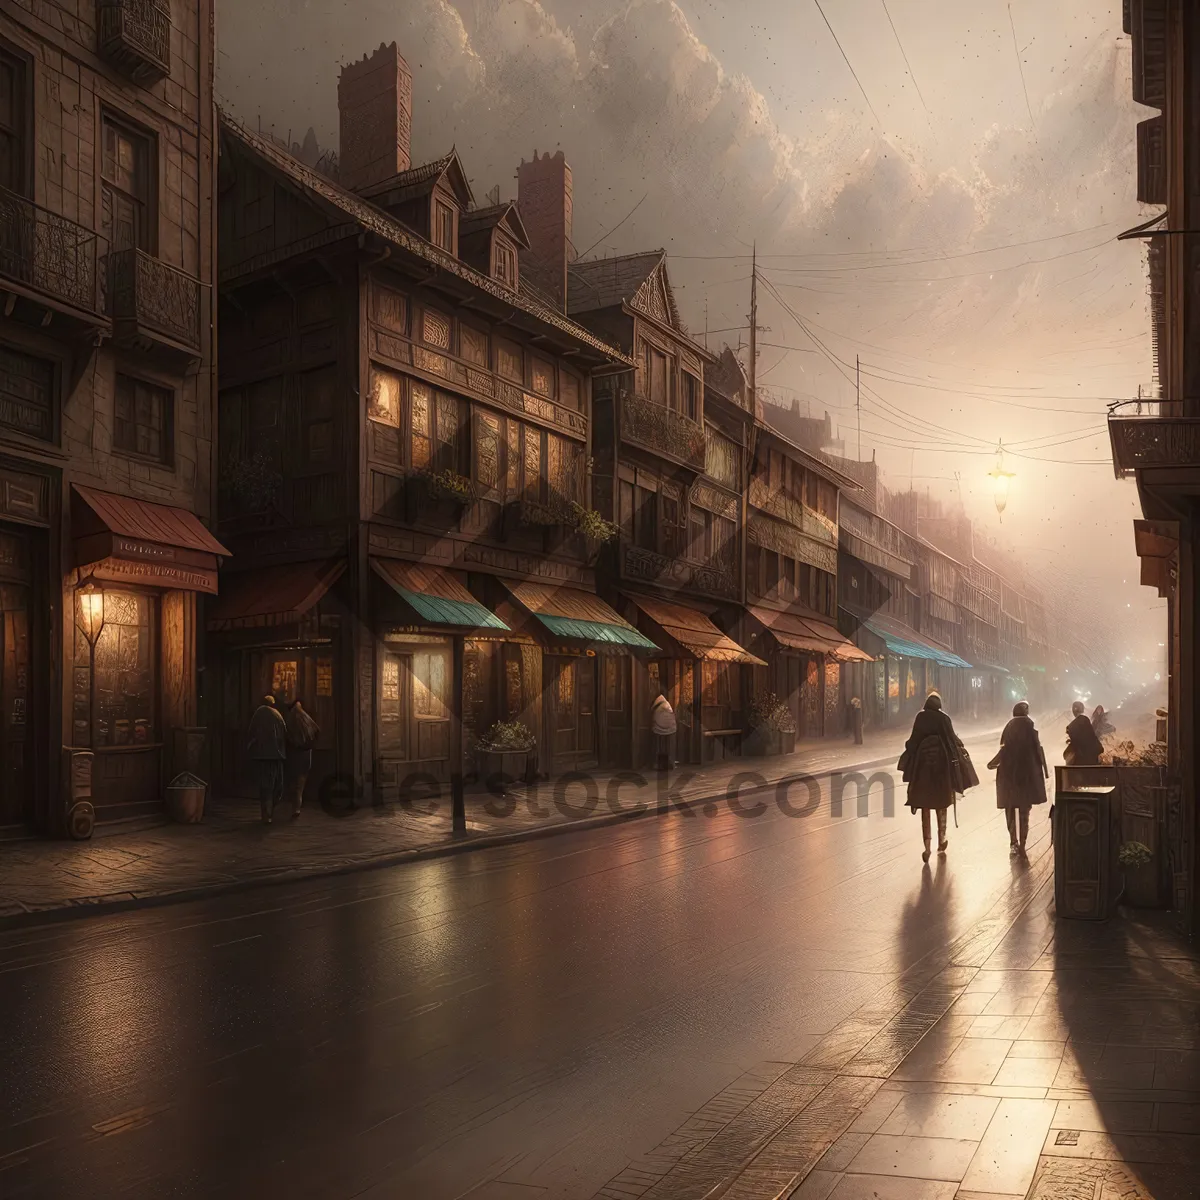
column 507, row 214
column 325, row 192
column 418, row 181
column 597, row 283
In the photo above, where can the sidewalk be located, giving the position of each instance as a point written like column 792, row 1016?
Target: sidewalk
column 1033, row 1059
column 231, row 850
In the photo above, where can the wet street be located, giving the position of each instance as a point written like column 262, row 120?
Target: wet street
column 517, row 1022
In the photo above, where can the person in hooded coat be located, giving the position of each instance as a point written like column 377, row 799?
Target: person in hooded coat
column 267, row 747
column 302, row 735
column 664, row 727
column 1021, row 774
column 1083, row 746
column 935, row 765
column 1100, row 722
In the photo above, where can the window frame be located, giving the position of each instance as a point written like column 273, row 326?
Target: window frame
column 58, row 373
column 170, row 398
column 24, row 132
column 118, row 120
column 441, row 210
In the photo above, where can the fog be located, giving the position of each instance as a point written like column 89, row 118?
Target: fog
column 945, row 207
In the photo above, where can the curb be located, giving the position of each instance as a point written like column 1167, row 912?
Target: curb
column 128, row 902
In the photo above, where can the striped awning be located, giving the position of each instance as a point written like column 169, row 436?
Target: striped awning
column 694, row 632
column 577, row 616
column 796, row 631
column 435, row 595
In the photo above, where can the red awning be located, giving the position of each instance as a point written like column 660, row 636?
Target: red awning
column 804, row 632
column 694, row 632
column 126, row 540
column 272, row 595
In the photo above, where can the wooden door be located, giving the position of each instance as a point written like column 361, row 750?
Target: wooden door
column 568, row 678
column 616, row 714
column 682, row 697
column 586, row 743
column 15, row 779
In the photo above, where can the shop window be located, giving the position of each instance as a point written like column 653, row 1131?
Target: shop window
column 127, row 176
column 14, row 122
column 542, row 374
column 142, row 419
column 393, row 726
column 473, row 345
column 125, row 692
column 431, row 701
column 384, row 402
column 283, row 680
column 565, row 684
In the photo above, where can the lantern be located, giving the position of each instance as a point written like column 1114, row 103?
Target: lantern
column 91, row 610
column 1002, row 478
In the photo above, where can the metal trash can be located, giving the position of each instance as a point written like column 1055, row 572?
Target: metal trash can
column 1084, row 836
column 185, row 798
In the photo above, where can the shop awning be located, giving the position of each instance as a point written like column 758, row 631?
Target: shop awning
column 125, row 540
column 797, row 632
column 909, row 644
column 270, row 596
column 694, row 632
column 578, row 616
column 435, row 595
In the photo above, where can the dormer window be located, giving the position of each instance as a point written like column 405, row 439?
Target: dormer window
column 505, row 266
column 443, row 226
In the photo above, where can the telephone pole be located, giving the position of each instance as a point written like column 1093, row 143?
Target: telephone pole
column 858, row 401
column 754, row 326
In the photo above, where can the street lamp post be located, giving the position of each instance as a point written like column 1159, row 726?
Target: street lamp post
column 90, row 597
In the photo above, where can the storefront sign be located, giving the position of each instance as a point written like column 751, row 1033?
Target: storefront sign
column 156, row 574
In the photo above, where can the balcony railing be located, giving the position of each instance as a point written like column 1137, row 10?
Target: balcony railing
column 47, row 253
column 1152, row 436
column 135, row 35
column 150, row 300
column 662, row 430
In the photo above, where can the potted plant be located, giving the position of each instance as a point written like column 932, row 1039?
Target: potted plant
column 772, row 729
column 592, row 525
column 1139, row 884
column 450, row 485
column 506, row 751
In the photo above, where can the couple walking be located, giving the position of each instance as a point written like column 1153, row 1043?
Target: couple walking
column 281, row 748
column 938, row 769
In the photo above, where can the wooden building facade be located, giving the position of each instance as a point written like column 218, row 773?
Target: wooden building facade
column 107, row 266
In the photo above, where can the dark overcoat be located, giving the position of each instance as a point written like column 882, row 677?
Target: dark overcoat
column 1021, row 770
column 928, row 762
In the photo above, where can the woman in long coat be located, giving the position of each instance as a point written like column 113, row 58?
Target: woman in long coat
column 1021, row 775
column 935, row 766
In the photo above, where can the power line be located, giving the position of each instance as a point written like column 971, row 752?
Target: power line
column 1021, row 68
column 848, row 63
column 907, row 64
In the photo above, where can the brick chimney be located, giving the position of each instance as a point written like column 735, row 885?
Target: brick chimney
column 375, row 118
column 544, row 198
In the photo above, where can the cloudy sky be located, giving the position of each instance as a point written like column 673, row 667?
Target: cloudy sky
column 943, row 206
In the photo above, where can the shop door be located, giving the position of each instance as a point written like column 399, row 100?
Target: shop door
column 306, row 675
column 15, row 782
column 681, row 695
column 615, row 710
column 572, row 713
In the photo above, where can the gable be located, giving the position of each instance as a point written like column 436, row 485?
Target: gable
column 656, row 300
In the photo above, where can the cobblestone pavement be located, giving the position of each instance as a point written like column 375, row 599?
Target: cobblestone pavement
column 1032, row 1059
column 232, row 849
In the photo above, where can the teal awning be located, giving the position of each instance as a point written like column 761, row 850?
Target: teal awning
column 435, row 595
column 903, row 647
column 580, row 616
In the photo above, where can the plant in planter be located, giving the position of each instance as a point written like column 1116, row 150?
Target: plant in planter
column 592, row 525
column 450, row 485
column 505, row 750
column 1133, row 856
column 772, row 728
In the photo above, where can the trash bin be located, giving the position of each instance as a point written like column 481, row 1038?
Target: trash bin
column 185, row 798
column 1084, row 880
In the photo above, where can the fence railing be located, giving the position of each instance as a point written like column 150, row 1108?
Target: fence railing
column 46, row 252
column 135, row 35
column 159, row 298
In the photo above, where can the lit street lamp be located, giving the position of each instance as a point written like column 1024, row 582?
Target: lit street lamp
column 1002, row 479
column 90, row 597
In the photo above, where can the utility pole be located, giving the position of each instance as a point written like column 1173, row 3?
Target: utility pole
column 754, row 326
column 858, row 401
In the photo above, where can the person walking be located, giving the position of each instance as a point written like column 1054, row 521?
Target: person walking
column 1100, row 722
column 302, row 735
column 936, row 767
column 1083, row 746
column 267, row 747
column 664, row 727
column 1021, row 774
column 856, row 720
